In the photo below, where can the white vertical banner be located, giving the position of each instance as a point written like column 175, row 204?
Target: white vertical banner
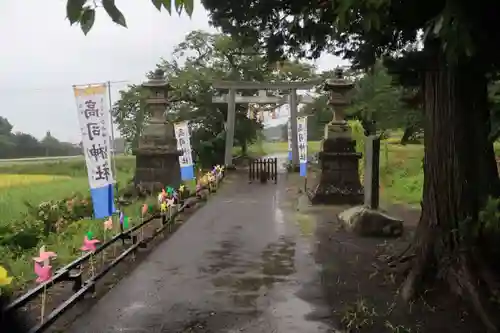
column 289, row 135
column 94, row 120
column 184, row 146
column 302, row 143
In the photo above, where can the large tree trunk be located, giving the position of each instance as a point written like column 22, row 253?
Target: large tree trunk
column 458, row 179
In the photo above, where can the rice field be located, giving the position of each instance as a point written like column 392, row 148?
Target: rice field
column 47, row 180
column 34, row 183
column 12, row 180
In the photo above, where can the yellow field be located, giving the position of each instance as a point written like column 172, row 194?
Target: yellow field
column 11, row 180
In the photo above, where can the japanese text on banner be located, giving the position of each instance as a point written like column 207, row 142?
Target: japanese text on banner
column 302, row 138
column 94, row 123
column 289, row 135
column 183, row 143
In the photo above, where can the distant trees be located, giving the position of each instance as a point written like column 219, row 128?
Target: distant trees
column 196, row 62
column 19, row 145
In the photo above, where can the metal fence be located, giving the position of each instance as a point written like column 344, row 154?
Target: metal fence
column 263, row 169
column 72, row 272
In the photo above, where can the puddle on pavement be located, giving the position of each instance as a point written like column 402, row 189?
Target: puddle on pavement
column 306, row 223
column 277, row 263
column 278, row 258
column 222, row 258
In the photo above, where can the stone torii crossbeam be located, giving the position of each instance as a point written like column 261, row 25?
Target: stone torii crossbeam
column 232, row 99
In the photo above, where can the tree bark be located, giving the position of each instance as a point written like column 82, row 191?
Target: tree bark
column 458, row 179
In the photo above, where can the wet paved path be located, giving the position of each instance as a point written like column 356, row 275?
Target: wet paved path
column 237, row 265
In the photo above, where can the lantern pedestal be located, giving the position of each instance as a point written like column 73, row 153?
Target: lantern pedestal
column 339, row 182
column 157, row 157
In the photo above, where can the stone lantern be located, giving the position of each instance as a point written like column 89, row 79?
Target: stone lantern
column 339, row 181
column 157, row 157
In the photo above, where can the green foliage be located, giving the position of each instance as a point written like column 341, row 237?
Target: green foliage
column 18, row 145
column 358, row 134
column 21, row 235
column 56, row 214
column 376, row 98
column 359, row 29
column 494, row 95
column 83, row 12
column 127, row 114
column 196, row 62
column 489, row 217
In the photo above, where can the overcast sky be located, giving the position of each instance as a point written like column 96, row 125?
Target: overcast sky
column 42, row 57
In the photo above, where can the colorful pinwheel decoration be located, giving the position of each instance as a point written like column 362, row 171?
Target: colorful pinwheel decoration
column 44, row 256
column 5, row 279
column 124, row 221
column 181, row 191
column 43, row 271
column 160, row 198
column 108, row 224
column 144, row 210
column 170, row 202
column 89, row 243
column 176, row 197
column 170, row 191
column 163, row 207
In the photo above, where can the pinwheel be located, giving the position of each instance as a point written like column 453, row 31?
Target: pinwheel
column 5, row 279
column 144, row 210
column 43, row 271
column 108, row 224
column 124, row 220
column 170, row 190
column 170, row 202
column 89, row 244
column 163, row 207
column 44, row 256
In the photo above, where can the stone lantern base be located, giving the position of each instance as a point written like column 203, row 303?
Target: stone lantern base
column 157, row 168
column 339, row 181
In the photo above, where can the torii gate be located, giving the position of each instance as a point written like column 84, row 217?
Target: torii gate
column 231, row 99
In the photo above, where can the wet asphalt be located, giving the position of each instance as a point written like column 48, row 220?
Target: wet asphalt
column 239, row 264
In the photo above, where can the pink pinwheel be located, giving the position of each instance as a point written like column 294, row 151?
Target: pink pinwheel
column 44, row 256
column 108, row 224
column 144, row 209
column 89, row 244
column 170, row 202
column 44, row 273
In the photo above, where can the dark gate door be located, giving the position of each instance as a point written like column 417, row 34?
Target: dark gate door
column 263, row 169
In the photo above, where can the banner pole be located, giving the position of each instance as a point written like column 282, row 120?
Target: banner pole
column 113, row 154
